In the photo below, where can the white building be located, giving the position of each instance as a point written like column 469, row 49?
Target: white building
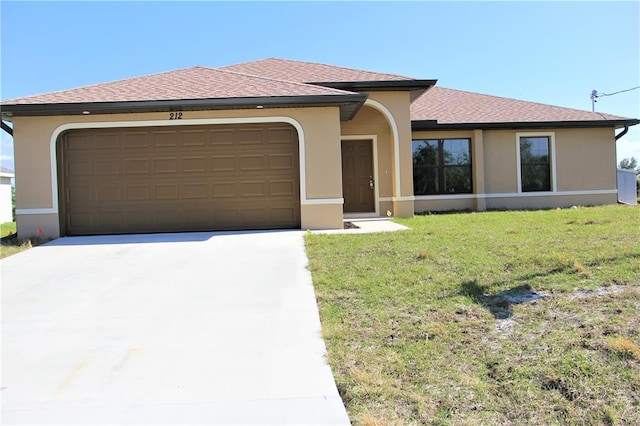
column 6, row 213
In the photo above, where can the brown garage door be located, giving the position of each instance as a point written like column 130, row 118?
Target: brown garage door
column 188, row 178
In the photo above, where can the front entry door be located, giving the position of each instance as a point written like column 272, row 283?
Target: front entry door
column 357, row 176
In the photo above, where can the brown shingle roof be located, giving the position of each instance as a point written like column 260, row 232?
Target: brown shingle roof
column 449, row 106
column 309, row 72
column 191, row 83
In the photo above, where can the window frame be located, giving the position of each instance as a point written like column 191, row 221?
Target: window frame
column 441, row 167
column 552, row 160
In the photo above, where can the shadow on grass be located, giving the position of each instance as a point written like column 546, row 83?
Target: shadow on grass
column 499, row 304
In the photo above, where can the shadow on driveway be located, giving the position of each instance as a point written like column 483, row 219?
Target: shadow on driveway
column 177, row 237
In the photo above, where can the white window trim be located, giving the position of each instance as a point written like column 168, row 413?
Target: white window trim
column 552, row 153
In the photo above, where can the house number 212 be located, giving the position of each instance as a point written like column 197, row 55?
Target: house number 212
column 175, row 116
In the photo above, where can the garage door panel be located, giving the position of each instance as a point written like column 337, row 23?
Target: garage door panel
column 80, row 142
column 195, row 191
column 250, row 136
column 141, row 218
column 221, row 137
column 108, row 167
column 138, row 193
column 226, row 163
column 79, row 194
column 180, row 179
column 107, row 141
column 80, row 169
column 166, row 192
column 131, row 140
column 194, row 164
column 282, row 189
column 251, row 162
column 165, row 139
column 224, row 190
column 252, row 189
column 109, row 194
column 136, row 166
column 281, row 162
column 81, row 220
column 280, row 136
column 165, row 165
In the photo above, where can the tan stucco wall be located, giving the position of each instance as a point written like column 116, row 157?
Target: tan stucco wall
column 422, row 206
column 398, row 104
column 321, row 126
column 551, row 201
column 370, row 120
column 500, row 161
column 585, row 160
column 322, row 216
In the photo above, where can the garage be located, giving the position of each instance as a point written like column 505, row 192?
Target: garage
column 178, row 178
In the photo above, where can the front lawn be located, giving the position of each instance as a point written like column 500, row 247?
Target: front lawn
column 11, row 246
column 425, row 326
column 7, row 228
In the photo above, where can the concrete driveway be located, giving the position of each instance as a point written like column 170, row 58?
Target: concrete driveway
column 197, row 328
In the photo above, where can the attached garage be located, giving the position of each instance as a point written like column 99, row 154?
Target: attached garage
column 178, row 178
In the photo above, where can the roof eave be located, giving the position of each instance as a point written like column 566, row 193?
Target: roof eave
column 349, row 104
column 434, row 125
column 415, row 87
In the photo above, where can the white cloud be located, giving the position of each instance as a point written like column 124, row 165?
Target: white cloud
column 6, row 150
column 626, row 148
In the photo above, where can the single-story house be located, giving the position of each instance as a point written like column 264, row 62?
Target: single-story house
column 6, row 205
column 278, row 143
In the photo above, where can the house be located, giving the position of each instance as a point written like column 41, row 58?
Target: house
column 6, row 208
column 277, row 143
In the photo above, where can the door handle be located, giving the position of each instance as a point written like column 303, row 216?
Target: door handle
column 371, row 184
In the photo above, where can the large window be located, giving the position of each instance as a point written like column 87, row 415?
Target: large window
column 441, row 166
column 535, row 163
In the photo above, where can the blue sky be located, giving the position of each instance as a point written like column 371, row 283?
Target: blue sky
column 549, row 52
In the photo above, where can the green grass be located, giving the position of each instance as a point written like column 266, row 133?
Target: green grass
column 420, row 328
column 14, row 246
column 7, row 228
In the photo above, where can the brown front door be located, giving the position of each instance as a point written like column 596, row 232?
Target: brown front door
column 357, row 176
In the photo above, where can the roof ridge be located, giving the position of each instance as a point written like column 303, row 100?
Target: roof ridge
column 347, row 68
column 87, row 86
column 528, row 102
column 321, row 64
column 278, row 80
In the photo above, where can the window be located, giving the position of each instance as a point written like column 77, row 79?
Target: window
column 441, row 166
column 535, row 163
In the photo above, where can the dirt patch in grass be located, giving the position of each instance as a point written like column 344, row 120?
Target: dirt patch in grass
column 486, row 318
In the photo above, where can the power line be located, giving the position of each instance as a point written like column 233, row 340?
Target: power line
column 615, row 93
column 595, row 95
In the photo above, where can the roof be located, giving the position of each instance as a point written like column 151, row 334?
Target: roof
column 192, row 88
column 440, row 108
column 190, row 83
column 332, row 76
column 272, row 82
column 308, row 72
column 5, row 172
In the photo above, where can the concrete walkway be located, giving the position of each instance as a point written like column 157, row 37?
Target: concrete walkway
column 365, row 225
column 197, row 328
